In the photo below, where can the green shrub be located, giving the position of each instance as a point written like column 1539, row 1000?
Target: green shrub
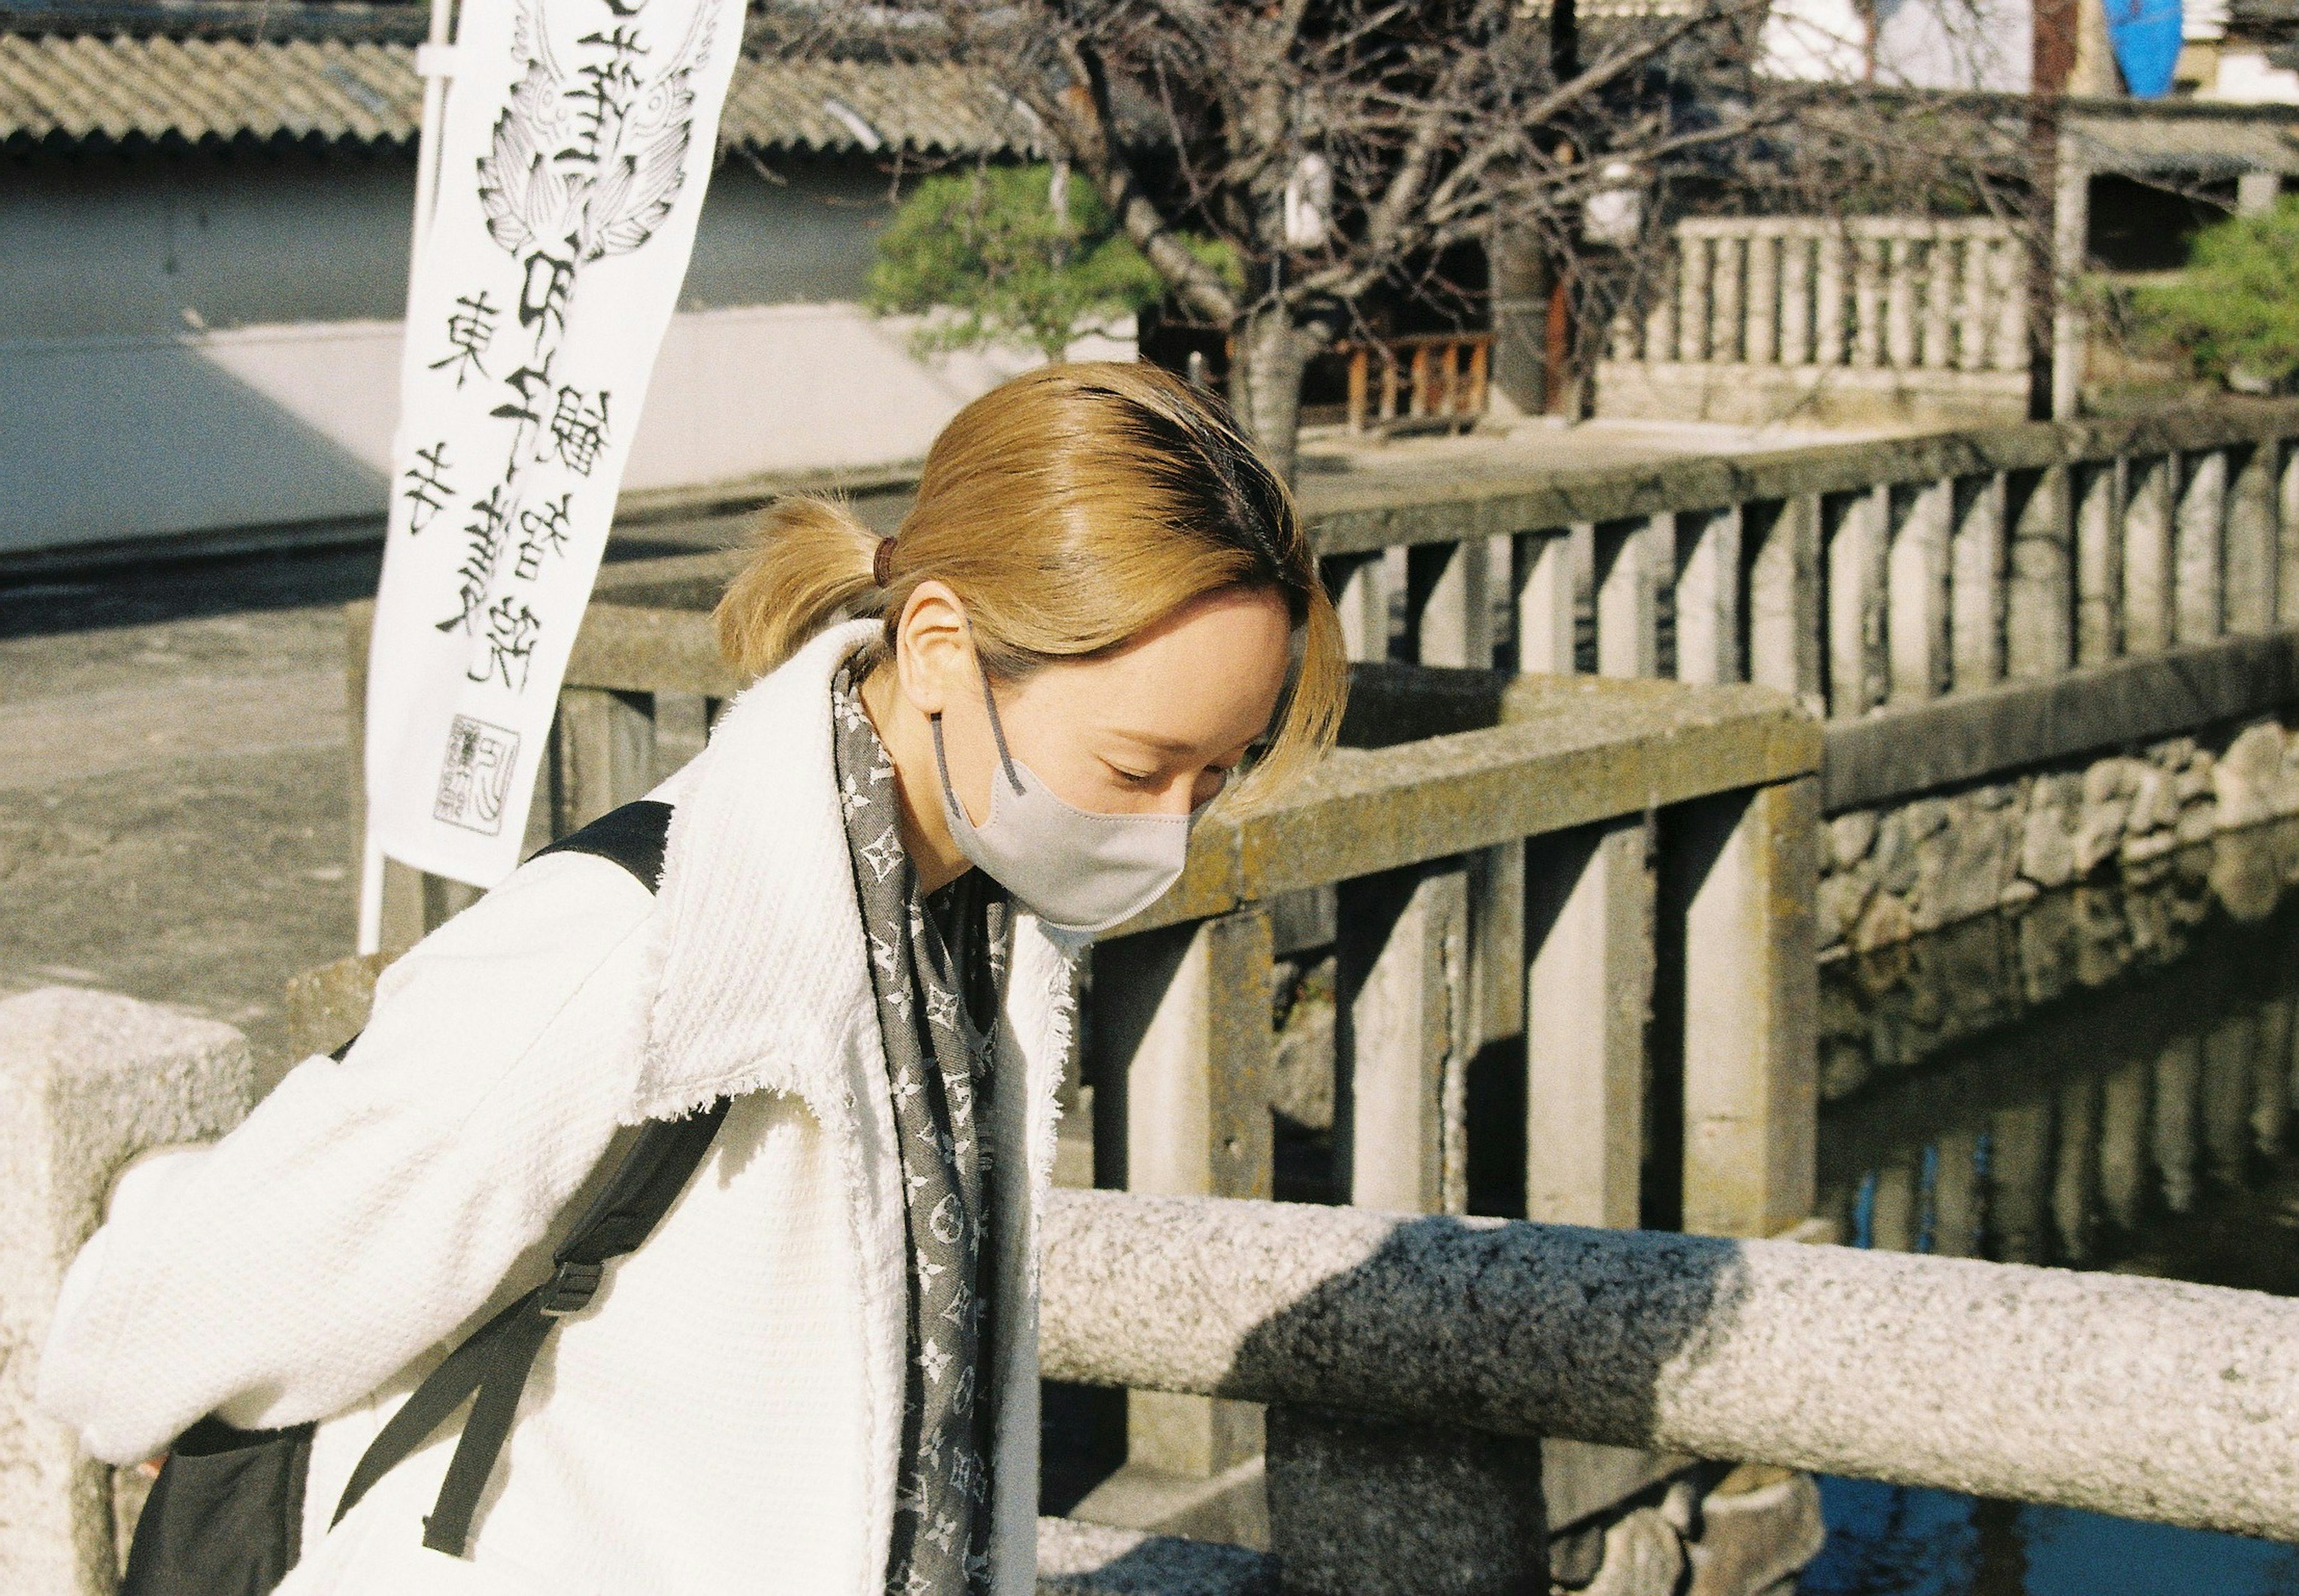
column 2233, row 314
column 985, row 248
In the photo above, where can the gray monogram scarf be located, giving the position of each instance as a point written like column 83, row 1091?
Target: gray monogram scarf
column 936, row 965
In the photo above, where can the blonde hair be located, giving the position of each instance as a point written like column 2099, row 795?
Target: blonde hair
column 1068, row 510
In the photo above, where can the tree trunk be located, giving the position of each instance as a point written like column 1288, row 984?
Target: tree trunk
column 1265, row 384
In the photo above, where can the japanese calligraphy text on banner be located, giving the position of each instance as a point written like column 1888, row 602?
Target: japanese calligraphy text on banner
column 576, row 143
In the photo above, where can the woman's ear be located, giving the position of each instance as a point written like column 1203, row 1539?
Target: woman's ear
column 934, row 655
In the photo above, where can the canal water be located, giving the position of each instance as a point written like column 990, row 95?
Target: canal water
column 2102, row 1079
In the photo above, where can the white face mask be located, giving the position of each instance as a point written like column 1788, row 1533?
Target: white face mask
column 1075, row 869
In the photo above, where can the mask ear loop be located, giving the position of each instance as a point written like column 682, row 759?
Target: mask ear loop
column 996, row 728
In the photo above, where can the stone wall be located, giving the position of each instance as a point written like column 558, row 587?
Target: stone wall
column 1904, row 871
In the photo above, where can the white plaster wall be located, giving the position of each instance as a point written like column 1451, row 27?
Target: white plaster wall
column 1919, row 44
column 109, row 438
column 199, row 342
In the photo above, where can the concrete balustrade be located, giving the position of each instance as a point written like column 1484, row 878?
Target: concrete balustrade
column 1874, row 305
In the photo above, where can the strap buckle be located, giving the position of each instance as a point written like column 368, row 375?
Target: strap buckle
column 571, row 1288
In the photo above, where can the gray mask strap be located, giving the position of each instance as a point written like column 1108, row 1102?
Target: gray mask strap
column 996, row 728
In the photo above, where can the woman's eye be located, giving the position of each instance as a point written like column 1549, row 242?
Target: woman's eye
column 1137, row 778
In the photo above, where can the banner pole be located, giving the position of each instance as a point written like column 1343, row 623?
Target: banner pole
column 434, row 65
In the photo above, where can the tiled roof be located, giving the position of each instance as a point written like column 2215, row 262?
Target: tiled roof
column 73, row 90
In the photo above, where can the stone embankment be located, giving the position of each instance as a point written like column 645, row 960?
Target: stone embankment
column 1890, row 874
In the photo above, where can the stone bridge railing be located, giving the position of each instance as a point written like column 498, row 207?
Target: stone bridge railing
column 1597, row 892
column 1411, row 1363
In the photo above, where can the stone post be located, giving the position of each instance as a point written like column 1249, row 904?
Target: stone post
column 1588, row 946
column 1183, row 1047
column 1366, row 1506
column 2097, row 495
column 1545, row 601
column 2148, row 512
column 1628, row 556
column 1708, row 596
column 1977, row 581
column 2199, row 548
column 1747, row 866
column 90, row 1080
column 1447, row 585
column 1401, row 1049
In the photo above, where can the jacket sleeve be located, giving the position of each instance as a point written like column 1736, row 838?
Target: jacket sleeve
column 367, row 1209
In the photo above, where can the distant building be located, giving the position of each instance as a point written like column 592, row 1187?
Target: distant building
column 206, row 264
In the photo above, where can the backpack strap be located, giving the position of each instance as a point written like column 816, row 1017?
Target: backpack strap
column 490, row 1368
column 633, row 836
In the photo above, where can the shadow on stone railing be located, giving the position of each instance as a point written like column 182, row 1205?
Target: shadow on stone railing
column 1411, row 1362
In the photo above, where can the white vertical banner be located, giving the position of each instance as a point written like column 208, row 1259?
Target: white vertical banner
column 576, row 141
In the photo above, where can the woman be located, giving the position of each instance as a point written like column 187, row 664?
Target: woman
column 818, row 1374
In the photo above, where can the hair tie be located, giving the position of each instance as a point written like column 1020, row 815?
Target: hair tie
column 882, row 564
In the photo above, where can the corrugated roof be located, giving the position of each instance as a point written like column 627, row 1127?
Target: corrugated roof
column 75, row 91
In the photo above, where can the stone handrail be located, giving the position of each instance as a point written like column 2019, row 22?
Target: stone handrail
column 1878, row 582
column 2148, row 1399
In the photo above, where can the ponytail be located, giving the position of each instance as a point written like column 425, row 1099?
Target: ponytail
column 811, row 566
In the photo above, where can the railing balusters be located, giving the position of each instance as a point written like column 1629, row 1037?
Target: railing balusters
column 605, row 745
column 2075, row 1176
column 1589, row 976
column 2271, row 1112
column 2179, row 1071
column 1957, row 1208
column 1547, row 587
column 2004, row 263
column 2040, row 590
column 1764, row 297
column 1796, row 297
column 2199, row 552
column 1727, row 300
column 2123, row 1143
column 1829, row 295
column 1628, row 555
column 2147, row 572
column 1708, row 596
column 1360, row 589
column 1977, row 596
column 2283, row 465
column 1402, row 1019
column 2228, row 1048
column 2250, row 553
column 2097, row 491
column 1973, row 250
column 1856, row 553
column 1694, row 280
column 1449, row 599
column 1916, row 625
column 1900, row 301
column 1867, row 303
column 1784, row 596
column 1939, row 289
column 1751, row 987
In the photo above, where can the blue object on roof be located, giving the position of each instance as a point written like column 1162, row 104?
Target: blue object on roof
column 2145, row 34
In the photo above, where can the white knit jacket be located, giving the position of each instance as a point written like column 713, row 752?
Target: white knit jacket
column 726, row 1416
